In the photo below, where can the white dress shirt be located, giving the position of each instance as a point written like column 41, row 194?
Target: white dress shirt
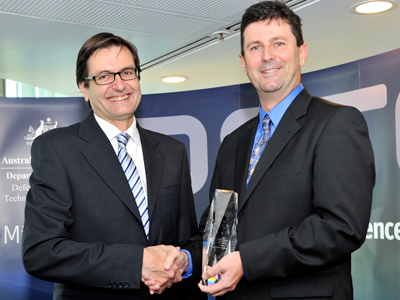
column 133, row 147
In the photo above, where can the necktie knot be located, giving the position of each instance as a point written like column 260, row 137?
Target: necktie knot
column 265, row 124
column 122, row 139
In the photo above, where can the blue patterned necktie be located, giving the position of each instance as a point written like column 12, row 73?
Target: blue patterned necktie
column 133, row 177
column 259, row 146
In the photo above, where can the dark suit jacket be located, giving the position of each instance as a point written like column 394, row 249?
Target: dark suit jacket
column 307, row 205
column 82, row 226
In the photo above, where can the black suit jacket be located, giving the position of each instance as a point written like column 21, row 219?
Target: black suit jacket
column 82, row 226
column 307, row 205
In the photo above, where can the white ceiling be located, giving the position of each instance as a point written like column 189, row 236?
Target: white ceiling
column 40, row 39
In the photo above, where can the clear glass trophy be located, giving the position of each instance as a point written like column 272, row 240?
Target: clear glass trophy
column 220, row 238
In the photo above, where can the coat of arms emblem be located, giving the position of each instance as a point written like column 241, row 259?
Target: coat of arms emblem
column 43, row 127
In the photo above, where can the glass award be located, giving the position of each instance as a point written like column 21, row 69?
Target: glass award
column 220, row 237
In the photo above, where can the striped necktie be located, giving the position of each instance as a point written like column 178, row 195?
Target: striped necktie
column 133, row 177
column 259, row 146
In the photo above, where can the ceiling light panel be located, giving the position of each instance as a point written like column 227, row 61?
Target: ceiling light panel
column 103, row 14
column 172, row 18
column 215, row 10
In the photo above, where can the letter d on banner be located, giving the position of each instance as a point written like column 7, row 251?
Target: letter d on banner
column 196, row 132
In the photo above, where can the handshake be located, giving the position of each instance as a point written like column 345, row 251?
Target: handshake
column 163, row 266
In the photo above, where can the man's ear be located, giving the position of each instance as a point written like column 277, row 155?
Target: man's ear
column 243, row 62
column 84, row 90
column 303, row 54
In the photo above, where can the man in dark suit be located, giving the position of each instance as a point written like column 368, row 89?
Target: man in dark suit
column 305, row 206
column 83, row 229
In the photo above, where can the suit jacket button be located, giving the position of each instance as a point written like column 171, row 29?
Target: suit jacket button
column 110, row 285
column 115, row 284
column 127, row 284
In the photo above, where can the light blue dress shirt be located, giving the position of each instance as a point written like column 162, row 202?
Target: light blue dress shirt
column 276, row 113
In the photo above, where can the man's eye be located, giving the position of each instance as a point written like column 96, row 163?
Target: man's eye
column 128, row 72
column 279, row 44
column 102, row 76
column 255, row 48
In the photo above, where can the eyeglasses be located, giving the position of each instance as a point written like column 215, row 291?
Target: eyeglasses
column 107, row 78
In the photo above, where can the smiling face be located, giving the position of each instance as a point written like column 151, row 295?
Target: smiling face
column 115, row 102
column 272, row 60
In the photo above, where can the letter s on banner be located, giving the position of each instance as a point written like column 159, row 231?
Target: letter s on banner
column 197, row 134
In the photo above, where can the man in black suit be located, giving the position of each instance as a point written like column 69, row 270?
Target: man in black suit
column 83, row 229
column 304, row 204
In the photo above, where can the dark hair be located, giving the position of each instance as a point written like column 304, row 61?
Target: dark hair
column 100, row 41
column 271, row 10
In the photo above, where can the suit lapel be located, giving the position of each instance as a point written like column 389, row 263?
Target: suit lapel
column 101, row 156
column 243, row 153
column 285, row 131
column 154, row 162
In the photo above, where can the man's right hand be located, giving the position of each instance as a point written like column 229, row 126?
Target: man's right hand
column 160, row 269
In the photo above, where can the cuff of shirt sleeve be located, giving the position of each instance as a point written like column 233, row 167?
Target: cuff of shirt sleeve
column 190, row 267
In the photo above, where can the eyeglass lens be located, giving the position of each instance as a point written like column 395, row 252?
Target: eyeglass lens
column 108, row 78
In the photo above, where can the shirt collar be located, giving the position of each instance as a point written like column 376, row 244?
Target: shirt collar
column 279, row 110
column 111, row 131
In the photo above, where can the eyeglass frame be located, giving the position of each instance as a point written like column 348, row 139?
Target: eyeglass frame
column 136, row 71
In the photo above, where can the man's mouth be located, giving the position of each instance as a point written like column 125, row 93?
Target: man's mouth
column 269, row 71
column 118, row 98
